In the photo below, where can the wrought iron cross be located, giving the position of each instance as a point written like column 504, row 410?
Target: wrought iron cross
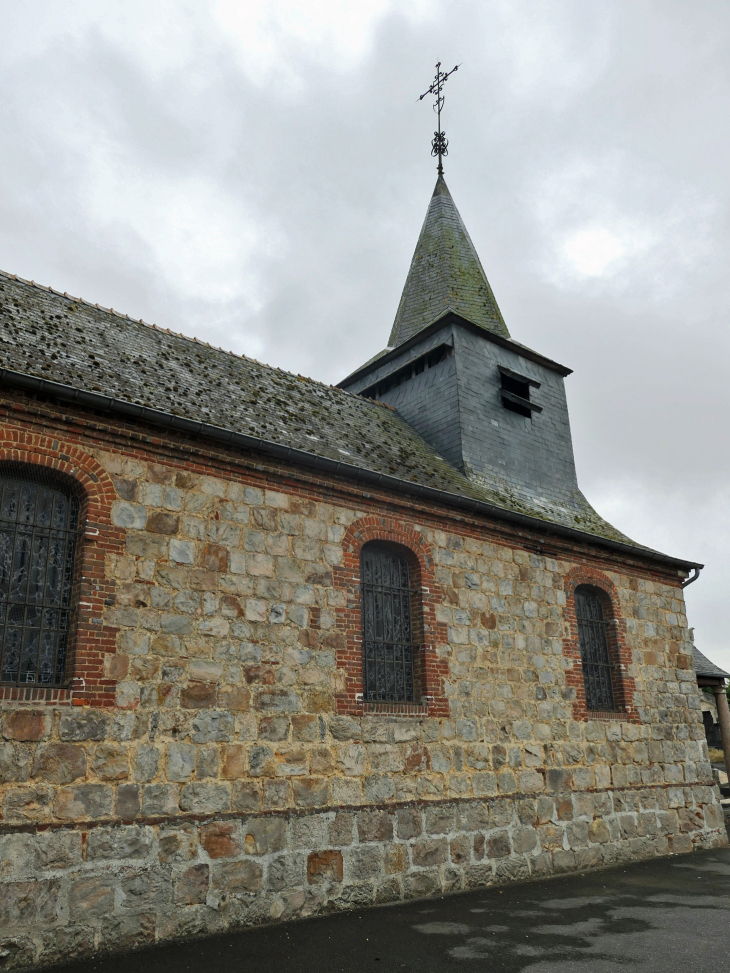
column 439, row 143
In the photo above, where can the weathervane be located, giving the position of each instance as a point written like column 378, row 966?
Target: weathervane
column 439, row 143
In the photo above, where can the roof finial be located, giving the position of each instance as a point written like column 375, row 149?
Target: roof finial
column 439, row 143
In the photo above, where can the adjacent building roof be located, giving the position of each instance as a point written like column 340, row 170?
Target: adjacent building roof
column 66, row 347
column 445, row 275
column 703, row 666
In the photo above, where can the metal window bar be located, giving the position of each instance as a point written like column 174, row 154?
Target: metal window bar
column 594, row 651
column 388, row 649
column 38, row 531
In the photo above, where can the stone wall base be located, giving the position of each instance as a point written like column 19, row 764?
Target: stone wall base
column 71, row 892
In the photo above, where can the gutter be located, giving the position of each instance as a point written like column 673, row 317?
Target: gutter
column 303, row 457
column 696, row 569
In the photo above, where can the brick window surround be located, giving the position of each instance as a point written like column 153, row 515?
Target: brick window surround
column 430, row 668
column 619, row 652
column 90, row 642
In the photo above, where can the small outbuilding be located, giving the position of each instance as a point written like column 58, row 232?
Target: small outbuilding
column 715, row 714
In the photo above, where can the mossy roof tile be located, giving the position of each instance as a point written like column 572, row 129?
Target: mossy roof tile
column 445, row 275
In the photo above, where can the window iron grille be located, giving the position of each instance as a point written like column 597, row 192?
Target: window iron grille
column 38, row 533
column 594, row 650
column 388, row 649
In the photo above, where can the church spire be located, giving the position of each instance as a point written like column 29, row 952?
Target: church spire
column 445, row 275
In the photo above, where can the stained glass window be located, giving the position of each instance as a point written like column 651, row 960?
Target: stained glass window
column 38, row 524
column 387, row 634
column 594, row 651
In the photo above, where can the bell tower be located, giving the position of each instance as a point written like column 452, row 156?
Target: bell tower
column 493, row 408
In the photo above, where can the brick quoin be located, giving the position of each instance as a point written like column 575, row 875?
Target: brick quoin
column 90, row 641
column 624, row 685
column 431, row 669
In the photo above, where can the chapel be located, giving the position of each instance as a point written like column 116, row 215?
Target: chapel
column 270, row 647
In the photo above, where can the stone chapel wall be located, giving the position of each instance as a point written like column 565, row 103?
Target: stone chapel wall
column 224, row 772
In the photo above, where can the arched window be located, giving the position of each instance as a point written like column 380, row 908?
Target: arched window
column 594, row 648
column 38, row 527
column 388, row 649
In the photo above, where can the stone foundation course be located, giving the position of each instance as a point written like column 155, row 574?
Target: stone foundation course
column 72, row 892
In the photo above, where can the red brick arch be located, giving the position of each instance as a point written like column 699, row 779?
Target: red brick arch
column 90, row 641
column 624, row 686
column 432, row 667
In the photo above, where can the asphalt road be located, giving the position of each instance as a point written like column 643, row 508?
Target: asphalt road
column 667, row 915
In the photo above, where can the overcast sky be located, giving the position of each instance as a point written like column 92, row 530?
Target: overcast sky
column 255, row 173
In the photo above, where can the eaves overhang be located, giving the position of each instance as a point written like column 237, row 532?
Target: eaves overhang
column 97, row 400
column 451, row 317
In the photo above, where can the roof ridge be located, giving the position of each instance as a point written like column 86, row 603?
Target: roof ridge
column 178, row 334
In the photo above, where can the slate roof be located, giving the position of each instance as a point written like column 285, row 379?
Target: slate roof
column 69, row 341
column 703, row 666
column 445, row 275
column 61, row 339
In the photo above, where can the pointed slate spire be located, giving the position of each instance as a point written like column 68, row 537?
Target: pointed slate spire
column 446, row 275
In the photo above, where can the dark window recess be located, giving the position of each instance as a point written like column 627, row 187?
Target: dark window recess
column 408, row 372
column 38, row 529
column 387, row 651
column 712, row 731
column 515, row 392
column 594, row 651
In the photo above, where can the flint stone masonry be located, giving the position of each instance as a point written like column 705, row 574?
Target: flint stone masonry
column 225, row 787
